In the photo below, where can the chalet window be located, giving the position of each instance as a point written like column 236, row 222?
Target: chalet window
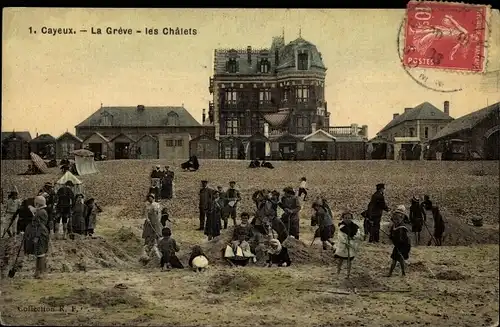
column 230, row 152
column 231, row 97
column 178, row 142
column 412, row 132
column 65, row 150
column 426, row 132
column 232, row 66
column 302, row 93
column 264, row 66
column 169, row 143
column 302, row 61
column 302, row 124
column 172, row 119
column 264, row 96
column 231, row 126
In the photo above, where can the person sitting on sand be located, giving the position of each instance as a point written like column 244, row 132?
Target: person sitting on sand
column 239, row 253
column 198, row 261
column 168, row 247
column 348, row 239
column 278, row 255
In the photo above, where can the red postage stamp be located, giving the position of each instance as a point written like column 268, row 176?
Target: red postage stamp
column 445, row 36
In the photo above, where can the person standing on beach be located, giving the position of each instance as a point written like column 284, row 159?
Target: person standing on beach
column 376, row 207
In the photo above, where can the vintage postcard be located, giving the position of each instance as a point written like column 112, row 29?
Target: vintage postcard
column 274, row 167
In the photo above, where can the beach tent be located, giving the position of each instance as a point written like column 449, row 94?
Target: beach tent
column 84, row 162
column 39, row 163
column 68, row 176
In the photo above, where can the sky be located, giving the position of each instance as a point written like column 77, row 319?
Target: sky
column 50, row 83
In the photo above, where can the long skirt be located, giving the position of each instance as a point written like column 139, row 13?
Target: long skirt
column 416, row 226
column 400, row 252
column 213, row 224
column 326, row 233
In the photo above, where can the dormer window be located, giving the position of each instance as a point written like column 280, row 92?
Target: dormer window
column 105, row 119
column 264, row 66
column 302, row 61
column 232, row 66
column 172, row 119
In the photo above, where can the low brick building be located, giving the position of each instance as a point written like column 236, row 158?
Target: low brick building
column 473, row 136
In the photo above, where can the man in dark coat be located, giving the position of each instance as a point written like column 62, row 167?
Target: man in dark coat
column 167, row 182
column 417, row 218
column 213, row 221
column 375, row 208
column 65, row 201
column 205, row 203
column 291, row 207
column 232, row 197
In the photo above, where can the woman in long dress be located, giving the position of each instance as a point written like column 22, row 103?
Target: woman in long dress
column 151, row 228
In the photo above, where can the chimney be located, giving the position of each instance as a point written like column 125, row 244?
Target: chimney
column 313, row 127
column 364, row 130
column 446, row 107
column 203, row 116
column 249, row 54
column 394, row 116
column 408, row 109
column 140, row 107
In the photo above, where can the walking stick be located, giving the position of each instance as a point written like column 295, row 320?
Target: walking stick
column 432, row 237
column 13, row 270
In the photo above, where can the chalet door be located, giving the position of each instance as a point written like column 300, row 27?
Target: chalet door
column 121, row 150
column 320, row 150
column 493, row 146
column 96, row 148
column 257, row 150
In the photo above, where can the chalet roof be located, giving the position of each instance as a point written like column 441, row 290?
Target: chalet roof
column 25, row 135
column 148, row 117
column 70, row 135
column 468, row 121
column 424, row 111
column 122, row 134
column 286, row 54
column 98, row 134
column 319, row 131
column 43, row 138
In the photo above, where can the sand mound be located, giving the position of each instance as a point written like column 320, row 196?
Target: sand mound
column 450, row 275
column 418, row 266
column 457, row 233
column 96, row 298
column 232, row 282
column 80, row 254
column 363, row 281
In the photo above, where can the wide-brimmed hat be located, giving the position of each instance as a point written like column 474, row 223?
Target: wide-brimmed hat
column 69, row 183
column 400, row 209
column 380, row 186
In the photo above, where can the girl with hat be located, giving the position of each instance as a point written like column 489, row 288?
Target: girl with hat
column 348, row 240
column 399, row 237
column 278, row 254
column 36, row 240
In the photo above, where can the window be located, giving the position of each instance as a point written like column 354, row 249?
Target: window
column 265, row 96
column 232, row 66
column 178, row 142
column 264, row 66
column 302, row 62
column 169, row 143
column 231, row 97
column 302, row 93
column 64, row 148
column 105, row 119
column 286, row 94
column 412, row 132
column 231, row 126
column 172, row 119
column 302, row 125
column 230, row 152
column 426, row 132
column 257, row 122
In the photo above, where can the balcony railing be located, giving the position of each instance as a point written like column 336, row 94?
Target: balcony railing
column 242, row 105
column 339, row 130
